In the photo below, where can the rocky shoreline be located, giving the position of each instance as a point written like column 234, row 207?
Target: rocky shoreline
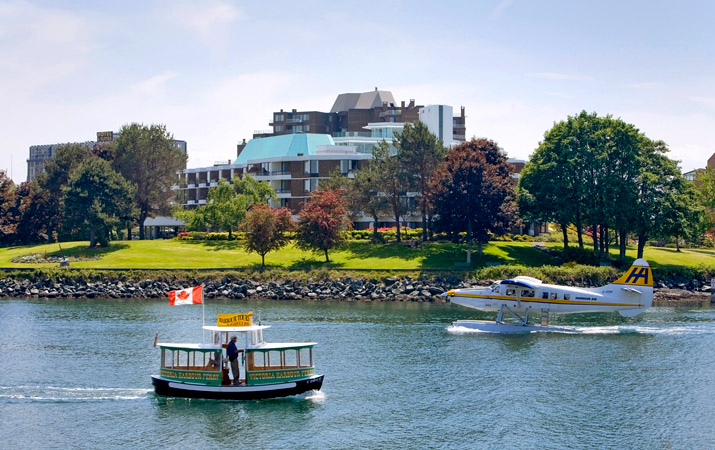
column 396, row 288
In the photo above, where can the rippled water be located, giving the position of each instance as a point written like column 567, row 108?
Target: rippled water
column 75, row 374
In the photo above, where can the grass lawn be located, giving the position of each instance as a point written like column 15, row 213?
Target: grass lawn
column 662, row 257
column 183, row 254
column 175, row 254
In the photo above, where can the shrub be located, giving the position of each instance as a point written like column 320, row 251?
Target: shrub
column 579, row 256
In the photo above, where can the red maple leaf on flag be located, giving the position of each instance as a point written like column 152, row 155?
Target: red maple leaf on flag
column 183, row 295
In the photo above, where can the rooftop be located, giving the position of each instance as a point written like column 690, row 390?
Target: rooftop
column 282, row 146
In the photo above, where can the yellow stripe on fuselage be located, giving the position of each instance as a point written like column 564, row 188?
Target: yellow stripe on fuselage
column 547, row 301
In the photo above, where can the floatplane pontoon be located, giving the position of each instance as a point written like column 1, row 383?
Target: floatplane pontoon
column 200, row 370
column 522, row 297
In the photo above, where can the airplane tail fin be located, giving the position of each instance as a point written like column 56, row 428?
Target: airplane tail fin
column 636, row 288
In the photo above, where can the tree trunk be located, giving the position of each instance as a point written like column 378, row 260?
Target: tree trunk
column 424, row 222
column 129, row 231
column 263, row 260
column 641, row 244
column 92, row 237
column 594, row 236
column 579, row 230
column 142, row 217
column 326, row 256
column 566, row 236
column 395, row 209
column 374, row 229
column 622, row 245
column 469, row 242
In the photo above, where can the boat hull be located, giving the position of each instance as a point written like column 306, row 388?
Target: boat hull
column 173, row 388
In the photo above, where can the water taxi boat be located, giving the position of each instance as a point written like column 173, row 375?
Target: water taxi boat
column 200, row 370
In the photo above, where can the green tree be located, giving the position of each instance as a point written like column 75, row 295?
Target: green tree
column 96, row 198
column 322, row 222
column 662, row 197
column 422, row 154
column 266, row 229
column 35, row 219
column 225, row 209
column 254, row 191
column 9, row 213
column 53, row 180
column 473, row 192
column 390, row 180
column 148, row 158
column 705, row 195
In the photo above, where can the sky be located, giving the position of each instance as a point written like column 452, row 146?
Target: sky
column 214, row 71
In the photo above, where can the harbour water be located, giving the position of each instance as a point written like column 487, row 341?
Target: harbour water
column 75, row 374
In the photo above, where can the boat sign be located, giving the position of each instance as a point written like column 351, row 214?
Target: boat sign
column 234, row 320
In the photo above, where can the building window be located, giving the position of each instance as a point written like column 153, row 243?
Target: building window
column 278, row 128
column 311, row 167
column 279, row 118
column 310, row 185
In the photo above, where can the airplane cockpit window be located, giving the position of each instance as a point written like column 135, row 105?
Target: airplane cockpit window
column 527, row 293
column 495, row 288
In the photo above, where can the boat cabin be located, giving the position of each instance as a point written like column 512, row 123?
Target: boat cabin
column 264, row 363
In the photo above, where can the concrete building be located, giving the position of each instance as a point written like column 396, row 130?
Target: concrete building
column 40, row 154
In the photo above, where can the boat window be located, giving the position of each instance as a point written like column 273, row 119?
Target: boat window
column 510, row 291
column 290, row 359
column 305, row 357
column 567, row 296
column 527, row 293
column 553, row 296
column 544, row 295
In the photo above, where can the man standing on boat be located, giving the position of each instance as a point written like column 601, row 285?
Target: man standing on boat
column 232, row 352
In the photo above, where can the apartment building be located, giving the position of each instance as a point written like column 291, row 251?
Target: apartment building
column 292, row 164
column 351, row 113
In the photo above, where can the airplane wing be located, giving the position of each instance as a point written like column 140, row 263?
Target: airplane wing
column 519, row 283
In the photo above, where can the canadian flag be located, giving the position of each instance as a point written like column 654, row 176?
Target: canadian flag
column 191, row 296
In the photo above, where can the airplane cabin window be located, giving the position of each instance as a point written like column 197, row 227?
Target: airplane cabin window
column 567, row 296
column 544, row 295
column 510, row 292
column 553, row 296
column 527, row 293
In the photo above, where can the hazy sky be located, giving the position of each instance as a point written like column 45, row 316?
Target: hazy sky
column 213, row 71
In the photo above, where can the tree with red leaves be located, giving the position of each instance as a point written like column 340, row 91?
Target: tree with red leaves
column 473, row 192
column 323, row 222
column 265, row 229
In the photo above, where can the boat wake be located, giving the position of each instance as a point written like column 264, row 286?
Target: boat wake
column 674, row 330
column 315, row 396
column 53, row 394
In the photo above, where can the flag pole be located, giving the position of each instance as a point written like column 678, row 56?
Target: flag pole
column 203, row 314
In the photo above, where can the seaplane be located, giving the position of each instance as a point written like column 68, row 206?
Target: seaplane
column 522, row 297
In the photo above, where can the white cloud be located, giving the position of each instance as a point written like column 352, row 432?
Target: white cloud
column 559, row 76
column 708, row 101
column 154, row 86
column 210, row 22
column 498, row 10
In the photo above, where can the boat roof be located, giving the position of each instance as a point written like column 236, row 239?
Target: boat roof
column 191, row 346
column 235, row 329
column 281, row 345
